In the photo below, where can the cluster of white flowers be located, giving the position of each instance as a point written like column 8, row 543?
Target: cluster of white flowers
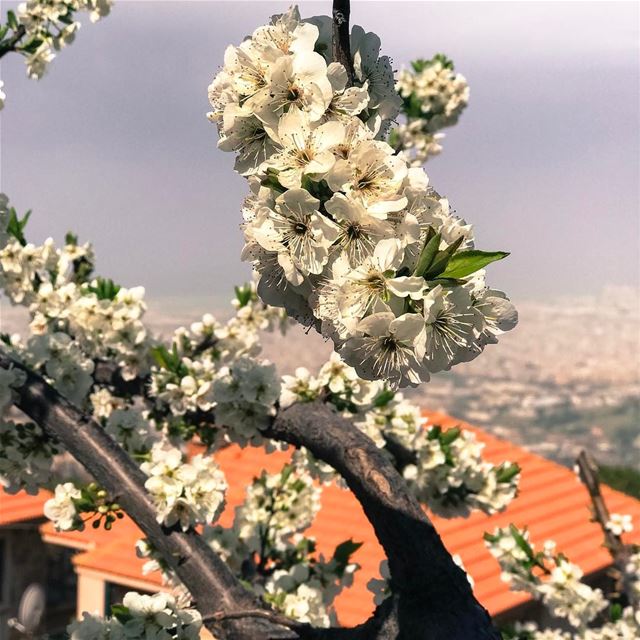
column 26, row 453
column 619, row 523
column 547, row 575
column 62, row 508
column 26, row 456
column 448, row 473
column 10, row 380
column 414, row 143
column 434, row 96
column 296, row 596
column 214, row 366
column 63, row 362
column 381, row 587
column 246, row 392
column 155, row 617
column 265, row 545
column 438, row 91
column 451, row 477
column 69, row 502
column 337, row 382
column 391, row 416
column 51, row 25
column 74, row 320
column 132, row 429
column 632, row 570
column 184, row 493
column 625, row 627
column 344, row 235
column 276, row 507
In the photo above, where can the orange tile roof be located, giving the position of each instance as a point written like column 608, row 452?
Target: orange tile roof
column 21, row 506
column 552, row 503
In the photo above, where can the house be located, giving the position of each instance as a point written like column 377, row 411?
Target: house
column 552, row 503
column 26, row 559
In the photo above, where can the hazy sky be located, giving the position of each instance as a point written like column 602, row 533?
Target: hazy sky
column 114, row 144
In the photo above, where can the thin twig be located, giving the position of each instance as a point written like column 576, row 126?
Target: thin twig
column 276, row 618
column 619, row 551
column 341, row 38
column 10, row 45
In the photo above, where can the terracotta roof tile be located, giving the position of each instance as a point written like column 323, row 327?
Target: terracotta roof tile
column 551, row 503
column 21, row 506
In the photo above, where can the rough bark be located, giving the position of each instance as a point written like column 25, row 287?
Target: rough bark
column 211, row 583
column 432, row 598
column 341, row 37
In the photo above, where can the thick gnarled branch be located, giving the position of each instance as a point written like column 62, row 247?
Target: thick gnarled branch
column 208, row 579
column 432, row 596
column 435, row 599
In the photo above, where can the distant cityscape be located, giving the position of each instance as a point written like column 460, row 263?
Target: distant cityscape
column 567, row 378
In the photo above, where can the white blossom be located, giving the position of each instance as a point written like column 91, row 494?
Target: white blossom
column 152, row 617
column 619, row 523
column 61, row 509
column 184, row 493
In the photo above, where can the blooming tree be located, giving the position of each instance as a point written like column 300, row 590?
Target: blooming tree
column 40, row 28
column 346, row 236
column 582, row 612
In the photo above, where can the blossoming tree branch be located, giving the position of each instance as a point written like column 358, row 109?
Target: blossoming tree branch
column 347, row 237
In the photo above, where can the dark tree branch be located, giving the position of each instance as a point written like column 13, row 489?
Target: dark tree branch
column 432, row 598
column 208, row 579
column 341, row 37
column 11, row 43
column 109, row 374
column 435, row 600
column 619, row 551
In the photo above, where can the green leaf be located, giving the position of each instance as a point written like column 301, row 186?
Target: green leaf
column 344, row 551
column 507, row 471
column 465, row 263
column 243, row 295
column 446, row 282
column 394, row 139
column 67, row 18
column 120, row 612
column 520, row 541
column 105, row 289
column 447, row 63
column 12, row 21
column 450, row 435
column 32, row 45
column 441, row 260
column 428, row 253
column 273, row 183
column 286, row 472
column 434, row 432
column 3, row 30
column 615, row 611
column 71, row 238
column 16, row 225
column 161, row 356
column 384, row 398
